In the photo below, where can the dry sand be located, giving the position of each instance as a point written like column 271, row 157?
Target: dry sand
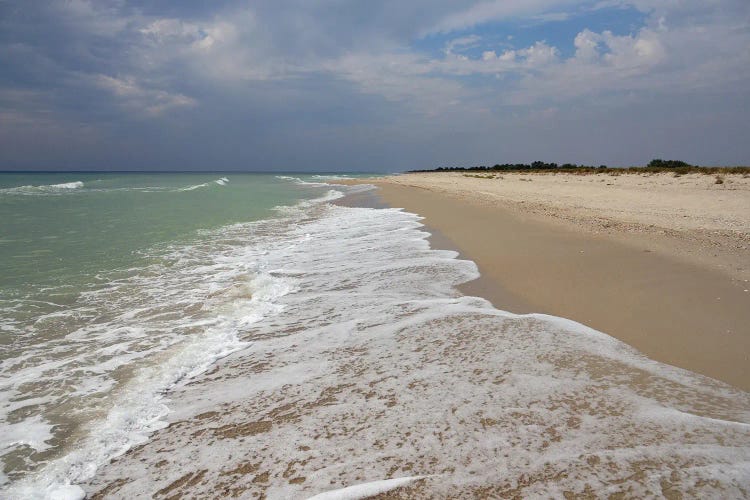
column 658, row 261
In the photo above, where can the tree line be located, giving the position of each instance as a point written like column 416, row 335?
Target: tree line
column 656, row 164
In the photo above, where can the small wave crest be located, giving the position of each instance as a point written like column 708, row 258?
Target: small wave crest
column 338, row 192
column 193, row 188
column 44, row 189
column 332, row 177
column 300, row 181
column 221, row 182
column 322, row 178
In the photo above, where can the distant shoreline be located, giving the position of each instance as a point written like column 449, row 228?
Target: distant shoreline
column 541, row 167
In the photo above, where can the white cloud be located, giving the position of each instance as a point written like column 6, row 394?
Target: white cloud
column 496, row 10
column 462, row 43
column 683, row 55
column 400, row 78
column 235, row 46
column 143, row 100
column 228, row 49
column 587, row 45
column 162, row 30
column 539, row 54
column 147, row 63
column 489, row 55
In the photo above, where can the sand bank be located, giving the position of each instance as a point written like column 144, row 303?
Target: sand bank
column 660, row 262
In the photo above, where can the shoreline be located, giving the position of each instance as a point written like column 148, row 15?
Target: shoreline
column 484, row 286
column 379, row 372
column 680, row 311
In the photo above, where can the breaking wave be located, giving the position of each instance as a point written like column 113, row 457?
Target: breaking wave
column 44, row 189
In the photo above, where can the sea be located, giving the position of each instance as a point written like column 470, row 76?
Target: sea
column 257, row 335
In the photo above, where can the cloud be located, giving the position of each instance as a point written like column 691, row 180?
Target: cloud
column 140, row 99
column 653, row 59
column 497, row 10
column 462, row 43
column 449, row 75
column 170, row 30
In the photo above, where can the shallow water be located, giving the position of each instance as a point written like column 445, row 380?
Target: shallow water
column 106, row 277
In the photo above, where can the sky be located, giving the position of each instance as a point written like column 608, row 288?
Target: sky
column 361, row 85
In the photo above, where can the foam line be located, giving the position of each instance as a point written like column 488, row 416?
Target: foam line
column 44, row 189
column 365, row 490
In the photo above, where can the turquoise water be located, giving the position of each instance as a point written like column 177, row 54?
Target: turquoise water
column 58, row 228
column 105, row 275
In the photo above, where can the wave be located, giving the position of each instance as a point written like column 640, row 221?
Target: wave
column 331, row 177
column 337, row 192
column 221, row 182
column 166, row 323
column 68, row 187
column 44, row 189
column 301, row 182
column 193, row 188
column 358, row 188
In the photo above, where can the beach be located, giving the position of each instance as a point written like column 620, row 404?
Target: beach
column 658, row 261
column 329, row 344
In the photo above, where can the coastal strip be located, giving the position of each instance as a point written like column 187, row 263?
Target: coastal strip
column 657, row 261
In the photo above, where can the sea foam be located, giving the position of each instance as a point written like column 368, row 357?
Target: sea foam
column 44, row 189
column 164, row 324
column 365, row 490
column 221, row 182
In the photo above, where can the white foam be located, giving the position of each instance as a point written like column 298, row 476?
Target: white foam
column 66, row 492
column 299, row 181
column 340, row 190
column 365, row 490
column 44, row 189
column 300, row 208
column 169, row 322
column 67, row 185
column 221, row 182
column 194, row 187
column 32, row 432
column 378, row 367
column 331, row 177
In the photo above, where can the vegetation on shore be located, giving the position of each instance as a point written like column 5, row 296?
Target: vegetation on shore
column 654, row 166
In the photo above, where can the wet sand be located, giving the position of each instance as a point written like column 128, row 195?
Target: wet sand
column 686, row 312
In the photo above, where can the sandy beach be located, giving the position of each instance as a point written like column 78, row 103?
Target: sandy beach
column 659, row 261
